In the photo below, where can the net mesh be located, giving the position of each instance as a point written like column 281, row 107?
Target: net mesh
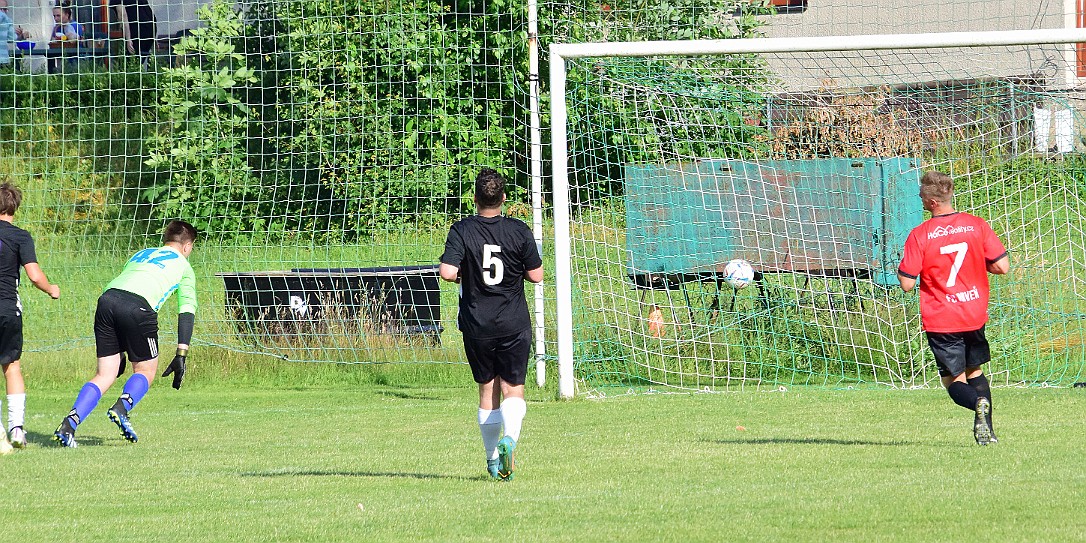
column 323, row 147
column 679, row 165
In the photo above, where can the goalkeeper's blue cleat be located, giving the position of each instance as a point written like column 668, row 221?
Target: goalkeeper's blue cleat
column 506, row 446
column 492, row 466
column 981, row 431
column 65, row 435
column 120, row 418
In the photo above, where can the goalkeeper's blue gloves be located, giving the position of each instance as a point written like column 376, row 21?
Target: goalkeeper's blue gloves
column 177, row 368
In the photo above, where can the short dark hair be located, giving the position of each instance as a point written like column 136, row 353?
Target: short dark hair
column 937, row 186
column 179, row 232
column 489, row 188
column 10, row 199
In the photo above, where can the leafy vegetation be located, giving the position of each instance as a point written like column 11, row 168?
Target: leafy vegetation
column 201, row 137
column 653, row 110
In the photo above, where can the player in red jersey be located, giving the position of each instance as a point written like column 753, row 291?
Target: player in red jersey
column 951, row 254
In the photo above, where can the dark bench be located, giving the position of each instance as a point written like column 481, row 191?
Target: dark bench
column 394, row 300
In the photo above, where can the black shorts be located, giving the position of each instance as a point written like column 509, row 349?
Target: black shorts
column 505, row 357
column 955, row 351
column 125, row 322
column 11, row 339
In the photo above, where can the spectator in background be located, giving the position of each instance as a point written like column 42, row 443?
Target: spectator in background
column 138, row 25
column 72, row 19
column 8, row 33
column 64, row 30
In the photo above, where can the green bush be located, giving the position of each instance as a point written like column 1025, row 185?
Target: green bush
column 651, row 110
column 74, row 143
column 381, row 113
column 336, row 119
column 202, row 138
column 340, row 119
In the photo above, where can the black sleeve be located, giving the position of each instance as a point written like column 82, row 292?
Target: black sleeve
column 454, row 249
column 532, row 260
column 27, row 254
column 185, row 323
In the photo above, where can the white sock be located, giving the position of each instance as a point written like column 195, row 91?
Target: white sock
column 16, row 409
column 490, row 426
column 513, row 410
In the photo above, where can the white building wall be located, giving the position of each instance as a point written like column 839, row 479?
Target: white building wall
column 841, row 18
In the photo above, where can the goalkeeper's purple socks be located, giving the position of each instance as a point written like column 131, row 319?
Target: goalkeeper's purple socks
column 134, row 390
column 85, row 402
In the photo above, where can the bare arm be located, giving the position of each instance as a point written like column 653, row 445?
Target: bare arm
column 122, row 16
column 449, row 272
column 907, row 283
column 1001, row 266
column 69, row 32
column 36, row 276
column 535, row 276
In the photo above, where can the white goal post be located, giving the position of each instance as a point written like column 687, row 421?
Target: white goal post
column 560, row 52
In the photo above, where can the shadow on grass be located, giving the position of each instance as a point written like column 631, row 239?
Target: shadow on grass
column 46, row 440
column 804, row 441
column 406, row 396
column 342, row 473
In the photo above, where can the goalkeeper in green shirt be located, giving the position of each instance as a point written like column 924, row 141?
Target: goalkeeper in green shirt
column 126, row 322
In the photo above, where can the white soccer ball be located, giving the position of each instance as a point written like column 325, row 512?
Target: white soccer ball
column 5, row 447
column 738, row 273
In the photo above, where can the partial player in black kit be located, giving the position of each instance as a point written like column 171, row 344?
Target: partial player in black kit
column 491, row 256
column 16, row 251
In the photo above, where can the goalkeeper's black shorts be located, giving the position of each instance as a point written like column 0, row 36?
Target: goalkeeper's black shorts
column 125, row 322
column 955, row 351
column 505, row 357
column 11, row 339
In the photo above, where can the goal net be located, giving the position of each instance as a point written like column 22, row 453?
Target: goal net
column 803, row 157
column 321, row 147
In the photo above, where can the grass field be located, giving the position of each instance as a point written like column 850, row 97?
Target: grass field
column 257, row 449
column 235, row 457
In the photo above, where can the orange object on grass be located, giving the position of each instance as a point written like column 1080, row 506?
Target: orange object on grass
column 656, row 321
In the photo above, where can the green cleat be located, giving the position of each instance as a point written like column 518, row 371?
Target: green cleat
column 505, row 458
column 492, row 466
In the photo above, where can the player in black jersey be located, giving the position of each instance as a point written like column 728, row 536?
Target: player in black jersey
column 16, row 250
column 491, row 256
